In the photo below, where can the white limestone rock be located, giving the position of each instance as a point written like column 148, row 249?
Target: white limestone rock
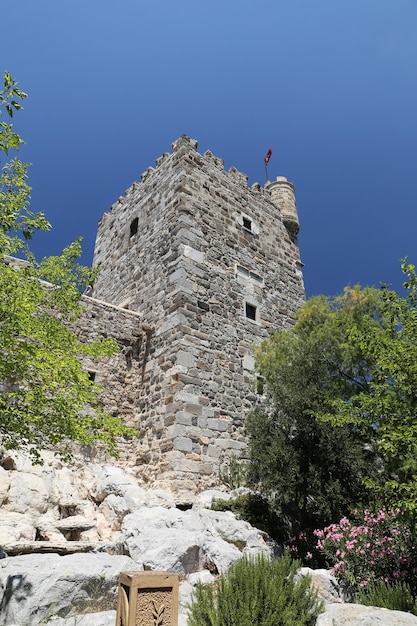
column 27, row 491
column 15, row 526
column 4, row 485
column 206, row 498
column 186, row 592
column 359, row 615
column 325, row 585
column 104, row 504
column 103, row 618
column 114, row 508
column 109, row 479
column 219, row 555
column 227, row 526
column 174, row 551
column 38, row 587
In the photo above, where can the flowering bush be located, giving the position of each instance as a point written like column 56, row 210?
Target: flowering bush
column 370, row 547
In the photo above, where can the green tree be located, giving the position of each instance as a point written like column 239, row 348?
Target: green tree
column 342, row 384
column 313, row 470
column 17, row 221
column 46, row 400
column 387, row 403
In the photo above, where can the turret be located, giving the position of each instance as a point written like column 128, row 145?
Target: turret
column 283, row 196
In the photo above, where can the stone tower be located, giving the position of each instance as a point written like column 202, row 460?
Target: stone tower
column 201, row 267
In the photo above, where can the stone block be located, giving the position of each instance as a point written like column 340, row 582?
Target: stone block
column 177, row 430
column 219, row 425
column 214, row 451
column 185, row 358
column 183, row 418
column 183, row 444
column 193, row 254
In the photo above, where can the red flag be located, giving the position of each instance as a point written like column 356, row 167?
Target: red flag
column 268, row 156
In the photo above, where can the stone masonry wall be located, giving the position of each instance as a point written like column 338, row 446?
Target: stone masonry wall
column 210, row 268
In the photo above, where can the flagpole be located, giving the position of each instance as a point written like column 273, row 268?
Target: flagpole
column 266, row 172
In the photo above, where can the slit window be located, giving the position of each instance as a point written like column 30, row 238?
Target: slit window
column 260, row 385
column 91, row 375
column 250, row 311
column 247, row 223
column 134, row 226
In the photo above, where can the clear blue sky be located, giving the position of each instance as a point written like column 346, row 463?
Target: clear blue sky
column 330, row 86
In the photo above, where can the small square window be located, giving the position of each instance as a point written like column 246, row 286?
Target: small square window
column 134, row 226
column 250, row 311
column 247, row 223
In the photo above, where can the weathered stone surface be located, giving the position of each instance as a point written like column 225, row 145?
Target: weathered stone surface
column 16, row 526
column 37, row 588
column 358, row 615
column 324, row 584
column 27, row 491
column 109, row 480
column 103, row 618
column 47, row 547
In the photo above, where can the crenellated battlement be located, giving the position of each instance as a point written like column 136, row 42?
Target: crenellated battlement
column 188, row 149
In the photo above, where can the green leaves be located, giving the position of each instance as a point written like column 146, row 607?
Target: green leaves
column 304, row 454
column 47, row 399
column 9, row 96
column 9, row 93
column 17, row 222
column 261, row 591
column 45, row 391
column 366, row 362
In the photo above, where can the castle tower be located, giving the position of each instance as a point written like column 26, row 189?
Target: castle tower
column 283, row 196
column 209, row 267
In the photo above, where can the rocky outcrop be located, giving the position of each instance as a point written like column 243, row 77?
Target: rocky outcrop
column 69, row 533
column 123, row 526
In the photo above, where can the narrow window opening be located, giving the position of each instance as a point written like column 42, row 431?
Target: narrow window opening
column 134, row 226
column 250, row 311
column 260, row 385
column 247, row 223
column 91, row 376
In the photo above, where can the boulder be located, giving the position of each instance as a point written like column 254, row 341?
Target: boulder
column 16, row 526
column 324, row 584
column 109, row 479
column 359, row 615
column 36, row 588
column 187, row 541
column 27, row 491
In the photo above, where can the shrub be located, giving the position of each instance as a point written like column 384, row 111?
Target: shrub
column 261, row 592
column 255, row 509
column 394, row 596
column 370, row 548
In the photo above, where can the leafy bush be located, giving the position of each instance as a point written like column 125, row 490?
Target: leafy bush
column 255, row 509
column 261, row 592
column 234, row 476
column 394, row 596
column 370, row 548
